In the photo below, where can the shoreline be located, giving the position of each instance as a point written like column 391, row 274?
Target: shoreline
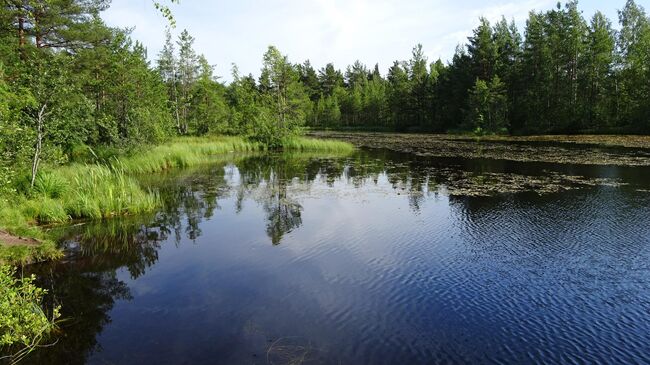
column 97, row 191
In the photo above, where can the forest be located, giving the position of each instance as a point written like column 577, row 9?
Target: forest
column 71, row 86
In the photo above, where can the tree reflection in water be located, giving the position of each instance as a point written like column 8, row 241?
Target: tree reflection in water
column 87, row 284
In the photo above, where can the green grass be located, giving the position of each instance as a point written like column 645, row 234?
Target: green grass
column 183, row 152
column 13, row 221
column 22, row 255
column 88, row 191
column 191, row 151
column 98, row 191
column 91, row 191
column 305, row 144
column 50, row 185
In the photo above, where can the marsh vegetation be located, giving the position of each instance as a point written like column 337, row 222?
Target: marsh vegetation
column 588, row 150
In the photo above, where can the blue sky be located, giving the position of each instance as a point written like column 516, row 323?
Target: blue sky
column 339, row 31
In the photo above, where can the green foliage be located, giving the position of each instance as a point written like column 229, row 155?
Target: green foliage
column 285, row 102
column 78, row 93
column 633, row 45
column 166, row 12
column 210, row 111
column 50, row 185
column 89, row 191
column 102, row 191
column 564, row 76
column 327, row 113
column 24, row 323
column 303, row 144
column 14, row 221
column 488, row 107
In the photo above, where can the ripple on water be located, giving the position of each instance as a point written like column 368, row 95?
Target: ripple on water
column 380, row 268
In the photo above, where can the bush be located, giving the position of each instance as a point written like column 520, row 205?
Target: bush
column 270, row 132
column 7, row 176
column 24, row 324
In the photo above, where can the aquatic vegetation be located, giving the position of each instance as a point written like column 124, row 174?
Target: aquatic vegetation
column 629, row 141
column 603, row 150
column 465, row 183
column 183, row 152
column 304, row 144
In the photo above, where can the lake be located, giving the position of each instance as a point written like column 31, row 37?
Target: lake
column 378, row 257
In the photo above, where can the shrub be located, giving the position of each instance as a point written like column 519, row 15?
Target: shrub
column 24, row 324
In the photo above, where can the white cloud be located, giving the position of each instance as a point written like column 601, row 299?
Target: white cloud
column 516, row 9
column 339, row 31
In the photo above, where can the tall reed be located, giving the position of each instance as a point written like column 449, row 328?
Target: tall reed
column 97, row 191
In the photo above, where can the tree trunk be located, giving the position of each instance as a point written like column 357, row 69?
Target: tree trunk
column 38, row 37
column 21, row 31
column 39, row 143
column 178, row 117
column 21, row 37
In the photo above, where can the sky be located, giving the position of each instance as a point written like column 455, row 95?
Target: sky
column 338, row 31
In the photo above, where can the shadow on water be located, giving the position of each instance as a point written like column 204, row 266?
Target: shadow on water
column 360, row 280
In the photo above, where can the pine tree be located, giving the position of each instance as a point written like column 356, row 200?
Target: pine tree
column 634, row 63
column 356, row 75
column 309, row 78
column 398, row 94
column 419, row 101
column 69, row 24
column 536, row 75
column 168, row 70
column 209, row 112
column 286, row 98
column 188, row 68
column 329, row 78
column 483, row 50
column 596, row 85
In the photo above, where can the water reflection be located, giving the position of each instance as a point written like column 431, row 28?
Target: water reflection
column 87, row 293
column 472, row 232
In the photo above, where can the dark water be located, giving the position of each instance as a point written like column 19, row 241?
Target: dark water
column 376, row 258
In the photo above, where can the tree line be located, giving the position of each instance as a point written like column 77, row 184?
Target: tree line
column 72, row 86
column 564, row 75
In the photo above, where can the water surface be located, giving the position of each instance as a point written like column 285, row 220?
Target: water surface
column 375, row 258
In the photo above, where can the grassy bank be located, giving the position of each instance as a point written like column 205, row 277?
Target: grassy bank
column 317, row 145
column 98, row 191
